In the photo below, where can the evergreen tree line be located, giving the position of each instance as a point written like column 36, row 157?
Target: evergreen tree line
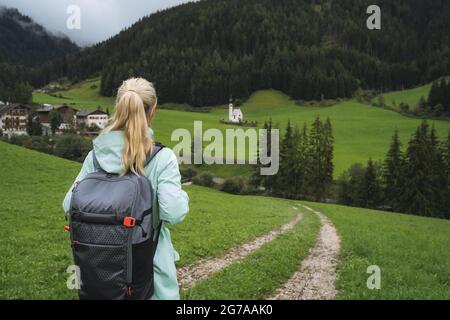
column 414, row 181
column 14, row 84
column 200, row 53
column 306, row 162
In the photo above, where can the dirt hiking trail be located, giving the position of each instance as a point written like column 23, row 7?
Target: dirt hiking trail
column 189, row 275
column 317, row 275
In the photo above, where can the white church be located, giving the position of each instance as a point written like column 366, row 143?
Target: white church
column 235, row 115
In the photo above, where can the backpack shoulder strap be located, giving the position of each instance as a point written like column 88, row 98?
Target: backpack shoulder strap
column 157, row 147
column 156, row 222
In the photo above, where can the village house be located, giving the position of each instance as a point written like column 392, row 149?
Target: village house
column 89, row 118
column 13, row 119
column 235, row 115
column 67, row 115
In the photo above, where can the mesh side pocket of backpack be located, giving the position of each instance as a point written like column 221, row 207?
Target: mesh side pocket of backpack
column 100, row 252
column 100, row 234
column 102, row 270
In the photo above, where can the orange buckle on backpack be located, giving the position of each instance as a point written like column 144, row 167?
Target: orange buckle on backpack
column 67, row 228
column 129, row 222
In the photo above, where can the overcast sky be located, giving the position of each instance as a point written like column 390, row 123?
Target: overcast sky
column 100, row 19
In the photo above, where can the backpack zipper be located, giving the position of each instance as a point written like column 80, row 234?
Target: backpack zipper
column 130, row 244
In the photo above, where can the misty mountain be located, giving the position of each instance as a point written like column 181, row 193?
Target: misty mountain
column 23, row 41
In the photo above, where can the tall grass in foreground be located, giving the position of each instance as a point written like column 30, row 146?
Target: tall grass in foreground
column 412, row 253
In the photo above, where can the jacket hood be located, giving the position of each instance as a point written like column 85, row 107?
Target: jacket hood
column 108, row 149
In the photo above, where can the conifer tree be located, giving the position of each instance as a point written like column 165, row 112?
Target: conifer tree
column 442, row 92
column 296, row 169
column 423, row 106
column 256, row 178
column 285, row 181
column 303, row 162
column 392, row 172
column 328, row 151
column 316, row 178
column 440, row 180
column 434, row 95
column 446, row 101
column 417, row 196
column 350, row 184
column 371, row 189
column 446, row 153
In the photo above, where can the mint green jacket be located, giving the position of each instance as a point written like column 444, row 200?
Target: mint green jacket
column 165, row 179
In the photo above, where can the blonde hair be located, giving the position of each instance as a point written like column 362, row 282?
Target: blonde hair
column 135, row 107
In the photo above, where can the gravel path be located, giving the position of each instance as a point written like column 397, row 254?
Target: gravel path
column 200, row 270
column 317, row 275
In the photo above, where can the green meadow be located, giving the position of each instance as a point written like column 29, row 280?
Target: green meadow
column 409, row 96
column 411, row 251
column 361, row 131
column 35, row 249
column 83, row 95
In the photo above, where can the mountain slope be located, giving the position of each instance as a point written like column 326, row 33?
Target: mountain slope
column 204, row 51
column 23, row 41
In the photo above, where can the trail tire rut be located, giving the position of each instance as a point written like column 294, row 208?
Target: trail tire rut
column 317, row 275
column 189, row 275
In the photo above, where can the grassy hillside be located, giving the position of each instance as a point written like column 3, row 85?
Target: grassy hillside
column 83, row 95
column 35, row 249
column 412, row 253
column 410, row 96
column 361, row 132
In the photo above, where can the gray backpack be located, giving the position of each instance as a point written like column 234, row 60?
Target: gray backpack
column 114, row 233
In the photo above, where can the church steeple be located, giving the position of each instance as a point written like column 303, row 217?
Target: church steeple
column 230, row 109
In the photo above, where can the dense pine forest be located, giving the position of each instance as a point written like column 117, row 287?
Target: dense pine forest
column 202, row 52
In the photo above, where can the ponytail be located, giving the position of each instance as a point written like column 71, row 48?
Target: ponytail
column 136, row 101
